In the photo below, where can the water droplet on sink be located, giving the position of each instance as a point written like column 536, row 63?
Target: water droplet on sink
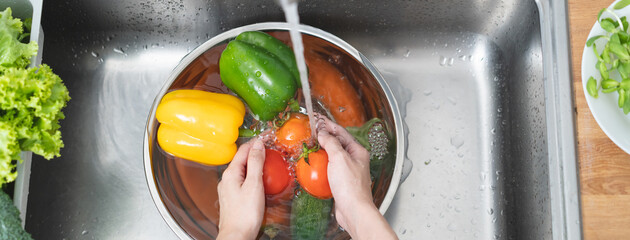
column 407, row 53
column 457, row 141
column 427, row 92
column 490, row 211
column 84, row 232
column 451, row 227
column 450, row 61
column 443, row 61
column 119, row 50
column 452, row 100
column 406, row 169
column 94, row 54
column 499, row 110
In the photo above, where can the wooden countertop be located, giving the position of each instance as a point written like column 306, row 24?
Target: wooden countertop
column 604, row 167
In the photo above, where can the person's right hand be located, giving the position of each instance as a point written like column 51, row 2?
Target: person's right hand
column 241, row 193
column 350, row 183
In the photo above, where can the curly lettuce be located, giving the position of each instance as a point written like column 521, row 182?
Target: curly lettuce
column 14, row 53
column 31, row 101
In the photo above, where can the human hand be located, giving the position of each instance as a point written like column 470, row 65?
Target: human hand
column 348, row 169
column 350, row 184
column 241, row 193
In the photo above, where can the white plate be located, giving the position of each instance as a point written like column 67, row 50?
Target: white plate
column 604, row 108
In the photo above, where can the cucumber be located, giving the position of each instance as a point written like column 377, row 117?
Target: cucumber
column 309, row 217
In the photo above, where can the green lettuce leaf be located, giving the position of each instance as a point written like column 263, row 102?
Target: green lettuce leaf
column 13, row 53
column 30, row 105
column 30, row 101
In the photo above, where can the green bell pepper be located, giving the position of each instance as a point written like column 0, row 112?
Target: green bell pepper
column 262, row 71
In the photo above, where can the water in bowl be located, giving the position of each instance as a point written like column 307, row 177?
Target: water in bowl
column 188, row 189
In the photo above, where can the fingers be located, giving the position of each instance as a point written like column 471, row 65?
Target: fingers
column 255, row 162
column 345, row 139
column 330, row 143
column 235, row 172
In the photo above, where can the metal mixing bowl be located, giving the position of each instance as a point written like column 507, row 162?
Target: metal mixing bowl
column 178, row 198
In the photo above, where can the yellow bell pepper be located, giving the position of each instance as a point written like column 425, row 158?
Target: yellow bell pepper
column 200, row 126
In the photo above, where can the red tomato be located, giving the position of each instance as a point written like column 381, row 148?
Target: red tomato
column 295, row 131
column 275, row 172
column 313, row 176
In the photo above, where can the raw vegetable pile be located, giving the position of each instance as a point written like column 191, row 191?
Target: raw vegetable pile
column 261, row 70
column 614, row 58
column 31, row 100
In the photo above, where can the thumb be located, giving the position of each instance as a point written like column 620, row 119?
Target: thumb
column 255, row 162
column 330, row 143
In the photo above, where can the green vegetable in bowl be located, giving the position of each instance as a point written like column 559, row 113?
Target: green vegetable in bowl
column 615, row 58
column 262, row 71
column 309, row 217
column 30, row 101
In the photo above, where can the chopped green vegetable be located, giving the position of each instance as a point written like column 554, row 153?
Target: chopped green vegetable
column 30, row 101
column 10, row 223
column 592, row 40
column 609, row 83
column 621, row 4
column 622, row 98
column 626, row 106
column 608, row 25
column 614, row 57
column 591, row 87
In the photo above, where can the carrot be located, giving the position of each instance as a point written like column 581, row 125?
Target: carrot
column 336, row 93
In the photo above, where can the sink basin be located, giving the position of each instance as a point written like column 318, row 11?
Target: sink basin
column 483, row 86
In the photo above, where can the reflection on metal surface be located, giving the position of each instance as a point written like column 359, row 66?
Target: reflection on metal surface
column 178, row 192
column 489, row 111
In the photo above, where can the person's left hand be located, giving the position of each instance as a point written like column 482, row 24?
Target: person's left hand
column 241, row 193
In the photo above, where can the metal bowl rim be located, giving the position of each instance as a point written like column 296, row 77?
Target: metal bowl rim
column 190, row 57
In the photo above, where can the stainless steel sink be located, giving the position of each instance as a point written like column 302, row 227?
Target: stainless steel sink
column 484, row 87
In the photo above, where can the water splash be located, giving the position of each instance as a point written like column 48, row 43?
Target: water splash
column 290, row 11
